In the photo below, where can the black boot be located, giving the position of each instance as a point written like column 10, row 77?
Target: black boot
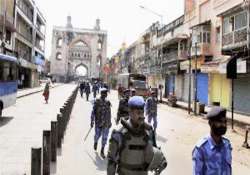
column 102, row 153
column 95, row 146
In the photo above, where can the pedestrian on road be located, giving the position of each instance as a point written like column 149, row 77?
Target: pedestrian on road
column 82, row 87
column 213, row 153
column 87, row 90
column 133, row 92
column 132, row 149
column 46, row 92
column 101, row 118
column 94, row 89
column 120, row 91
column 123, row 107
column 151, row 109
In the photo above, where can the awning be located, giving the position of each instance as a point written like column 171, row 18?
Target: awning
column 231, row 10
column 8, row 58
column 220, row 66
column 202, row 24
column 26, row 64
column 214, row 66
column 175, row 39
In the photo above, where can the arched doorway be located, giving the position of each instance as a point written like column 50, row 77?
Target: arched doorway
column 81, row 71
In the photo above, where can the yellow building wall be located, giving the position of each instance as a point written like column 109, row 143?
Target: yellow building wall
column 220, row 90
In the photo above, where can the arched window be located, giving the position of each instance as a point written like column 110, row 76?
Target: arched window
column 59, row 56
column 99, row 45
column 59, row 42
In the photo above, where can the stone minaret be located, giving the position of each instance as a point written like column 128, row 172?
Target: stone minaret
column 97, row 24
column 69, row 24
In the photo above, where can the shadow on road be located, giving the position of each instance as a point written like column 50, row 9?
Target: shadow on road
column 5, row 120
column 101, row 164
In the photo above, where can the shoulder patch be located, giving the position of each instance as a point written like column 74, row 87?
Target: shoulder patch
column 201, row 142
column 227, row 142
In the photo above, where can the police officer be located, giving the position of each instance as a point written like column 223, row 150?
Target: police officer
column 123, row 107
column 132, row 149
column 101, row 117
column 151, row 109
column 213, row 153
column 82, row 86
column 133, row 92
column 87, row 90
column 94, row 89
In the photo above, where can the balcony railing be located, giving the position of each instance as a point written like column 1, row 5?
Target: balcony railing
column 234, row 39
column 26, row 36
column 202, row 49
column 170, row 57
column 183, row 54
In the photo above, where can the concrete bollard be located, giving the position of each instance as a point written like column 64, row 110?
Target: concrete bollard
column 59, row 130
column 53, row 141
column 46, row 152
column 245, row 144
column 36, row 157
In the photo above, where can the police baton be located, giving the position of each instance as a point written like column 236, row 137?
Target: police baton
column 85, row 138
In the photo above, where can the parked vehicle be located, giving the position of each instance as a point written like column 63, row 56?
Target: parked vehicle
column 8, row 81
column 134, row 81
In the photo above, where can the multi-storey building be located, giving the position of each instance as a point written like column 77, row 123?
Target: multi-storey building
column 29, row 42
column 7, row 27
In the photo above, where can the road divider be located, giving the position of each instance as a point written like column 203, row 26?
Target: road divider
column 52, row 139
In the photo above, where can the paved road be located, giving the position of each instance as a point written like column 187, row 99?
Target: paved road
column 177, row 134
column 22, row 125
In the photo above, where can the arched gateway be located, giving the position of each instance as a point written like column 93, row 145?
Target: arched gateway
column 74, row 48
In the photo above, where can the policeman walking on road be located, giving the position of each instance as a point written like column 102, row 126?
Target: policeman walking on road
column 133, row 92
column 101, row 118
column 123, row 107
column 151, row 109
column 213, row 153
column 132, row 149
column 87, row 90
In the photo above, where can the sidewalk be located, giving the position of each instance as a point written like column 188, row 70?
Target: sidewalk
column 241, row 120
column 22, row 126
column 25, row 92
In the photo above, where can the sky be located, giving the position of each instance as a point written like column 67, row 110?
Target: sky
column 124, row 20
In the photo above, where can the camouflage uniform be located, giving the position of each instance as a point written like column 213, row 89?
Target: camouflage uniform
column 133, row 151
column 101, row 116
column 151, row 110
column 122, row 110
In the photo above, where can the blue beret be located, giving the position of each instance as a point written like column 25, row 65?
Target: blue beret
column 136, row 102
column 217, row 113
column 103, row 90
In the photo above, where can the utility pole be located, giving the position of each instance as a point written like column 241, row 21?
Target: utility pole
column 189, row 77
column 195, row 81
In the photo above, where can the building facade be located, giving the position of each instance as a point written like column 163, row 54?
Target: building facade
column 29, row 42
column 22, row 34
column 7, row 27
column 74, row 47
column 203, row 40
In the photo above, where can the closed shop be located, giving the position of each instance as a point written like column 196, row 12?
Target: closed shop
column 242, row 94
column 178, row 86
column 220, row 90
column 170, row 85
column 202, row 88
column 185, row 88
